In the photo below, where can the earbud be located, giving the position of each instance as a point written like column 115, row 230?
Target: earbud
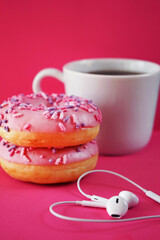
column 116, row 206
column 130, row 198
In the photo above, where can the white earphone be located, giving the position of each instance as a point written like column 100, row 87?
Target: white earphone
column 116, row 206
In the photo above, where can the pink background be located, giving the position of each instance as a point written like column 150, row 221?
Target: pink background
column 38, row 34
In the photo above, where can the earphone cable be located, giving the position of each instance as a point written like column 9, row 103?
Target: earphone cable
column 95, row 220
column 105, row 171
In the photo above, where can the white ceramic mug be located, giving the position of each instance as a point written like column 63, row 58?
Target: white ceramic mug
column 128, row 102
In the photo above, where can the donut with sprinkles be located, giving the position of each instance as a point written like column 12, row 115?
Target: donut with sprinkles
column 42, row 120
column 47, row 165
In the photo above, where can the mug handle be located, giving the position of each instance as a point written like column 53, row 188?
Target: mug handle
column 47, row 72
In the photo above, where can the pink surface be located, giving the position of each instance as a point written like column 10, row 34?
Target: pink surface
column 24, row 207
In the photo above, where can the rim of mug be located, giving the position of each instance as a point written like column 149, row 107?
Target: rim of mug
column 156, row 66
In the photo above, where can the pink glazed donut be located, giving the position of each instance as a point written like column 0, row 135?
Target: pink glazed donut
column 47, row 165
column 41, row 120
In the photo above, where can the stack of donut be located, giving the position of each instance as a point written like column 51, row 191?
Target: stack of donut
column 48, row 138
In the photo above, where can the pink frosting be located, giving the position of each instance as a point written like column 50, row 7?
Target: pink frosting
column 46, row 156
column 44, row 113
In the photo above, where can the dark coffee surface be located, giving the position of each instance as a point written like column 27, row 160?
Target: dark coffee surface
column 114, row 72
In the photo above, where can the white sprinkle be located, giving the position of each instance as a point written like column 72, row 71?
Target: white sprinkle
column 47, row 115
column 93, row 106
column 45, row 112
column 72, row 104
column 1, row 116
column 50, row 160
column 4, row 104
column 54, row 96
column 31, row 96
column 85, row 147
column 55, row 115
column 26, row 158
column 26, row 127
column 41, row 156
column 4, row 142
column 90, row 110
column 22, row 151
column 17, row 151
column 31, row 148
column 14, row 111
column 64, row 161
column 58, row 160
column 44, row 95
column 10, row 110
column 84, row 107
column 17, row 115
column 62, row 127
column 74, row 118
column 61, row 116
